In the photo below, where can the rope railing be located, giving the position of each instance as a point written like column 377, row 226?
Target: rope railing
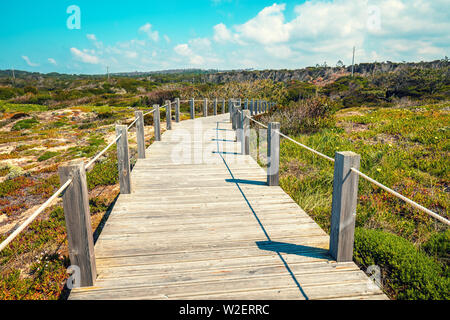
column 259, row 123
column 50, row 200
column 31, row 218
column 362, row 175
column 47, row 203
column 149, row 112
column 395, row 193
column 90, row 163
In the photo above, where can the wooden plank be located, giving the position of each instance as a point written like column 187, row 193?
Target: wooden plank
column 213, row 228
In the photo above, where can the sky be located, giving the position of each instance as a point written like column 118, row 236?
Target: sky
column 80, row 36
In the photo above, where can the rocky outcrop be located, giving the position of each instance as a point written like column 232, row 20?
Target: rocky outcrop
column 310, row 74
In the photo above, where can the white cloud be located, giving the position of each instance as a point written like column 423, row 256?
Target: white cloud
column 85, row 56
column 321, row 31
column 221, row 33
column 267, row 27
column 147, row 29
column 52, row 61
column 185, row 51
column 131, row 54
column 280, row 36
column 28, row 61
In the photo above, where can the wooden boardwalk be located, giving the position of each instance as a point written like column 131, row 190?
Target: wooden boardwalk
column 201, row 223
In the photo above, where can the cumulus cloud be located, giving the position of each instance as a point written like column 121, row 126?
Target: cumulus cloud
column 28, row 61
column 86, row 56
column 185, row 51
column 52, row 61
column 147, row 29
column 328, row 30
column 221, row 33
column 268, row 27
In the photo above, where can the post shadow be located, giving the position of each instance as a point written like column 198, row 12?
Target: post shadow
column 260, row 223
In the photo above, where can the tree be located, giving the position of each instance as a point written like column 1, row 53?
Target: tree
column 340, row 64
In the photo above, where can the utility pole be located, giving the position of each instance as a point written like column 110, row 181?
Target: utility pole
column 353, row 61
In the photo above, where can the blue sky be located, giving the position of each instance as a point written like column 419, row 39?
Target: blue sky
column 225, row 34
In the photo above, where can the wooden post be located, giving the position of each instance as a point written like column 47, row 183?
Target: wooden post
column 123, row 159
column 157, row 123
column 140, row 134
column 245, row 140
column 78, row 222
column 215, row 107
column 234, row 120
column 273, row 154
column 246, row 104
column 169, row 115
column 343, row 207
column 177, row 110
column 238, row 124
column 223, row 106
column 252, row 103
column 258, row 102
column 192, row 108
column 205, row 107
column 230, row 109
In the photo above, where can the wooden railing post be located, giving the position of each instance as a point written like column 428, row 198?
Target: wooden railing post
column 343, row 208
column 169, row 115
column 234, row 119
column 259, row 106
column 239, row 124
column 140, row 134
column 78, row 222
column 157, row 123
column 252, row 103
column 223, row 106
column 273, row 154
column 230, row 109
column 215, row 107
column 245, row 140
column 123, row 159
column 246, row 104
column 177, row 110
column 192, row 108
column 205, row 107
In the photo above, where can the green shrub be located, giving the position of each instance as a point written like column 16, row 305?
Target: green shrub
column 24, row 124
column 409, row 273
column 6, row 93
column 438, row 246
column 103, row 174
column 30, row 89
column 47, row 155
column 11, row 186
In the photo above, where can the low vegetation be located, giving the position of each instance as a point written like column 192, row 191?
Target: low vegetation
column 397, row 121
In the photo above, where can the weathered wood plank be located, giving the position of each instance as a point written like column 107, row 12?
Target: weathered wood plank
column 211, row 228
